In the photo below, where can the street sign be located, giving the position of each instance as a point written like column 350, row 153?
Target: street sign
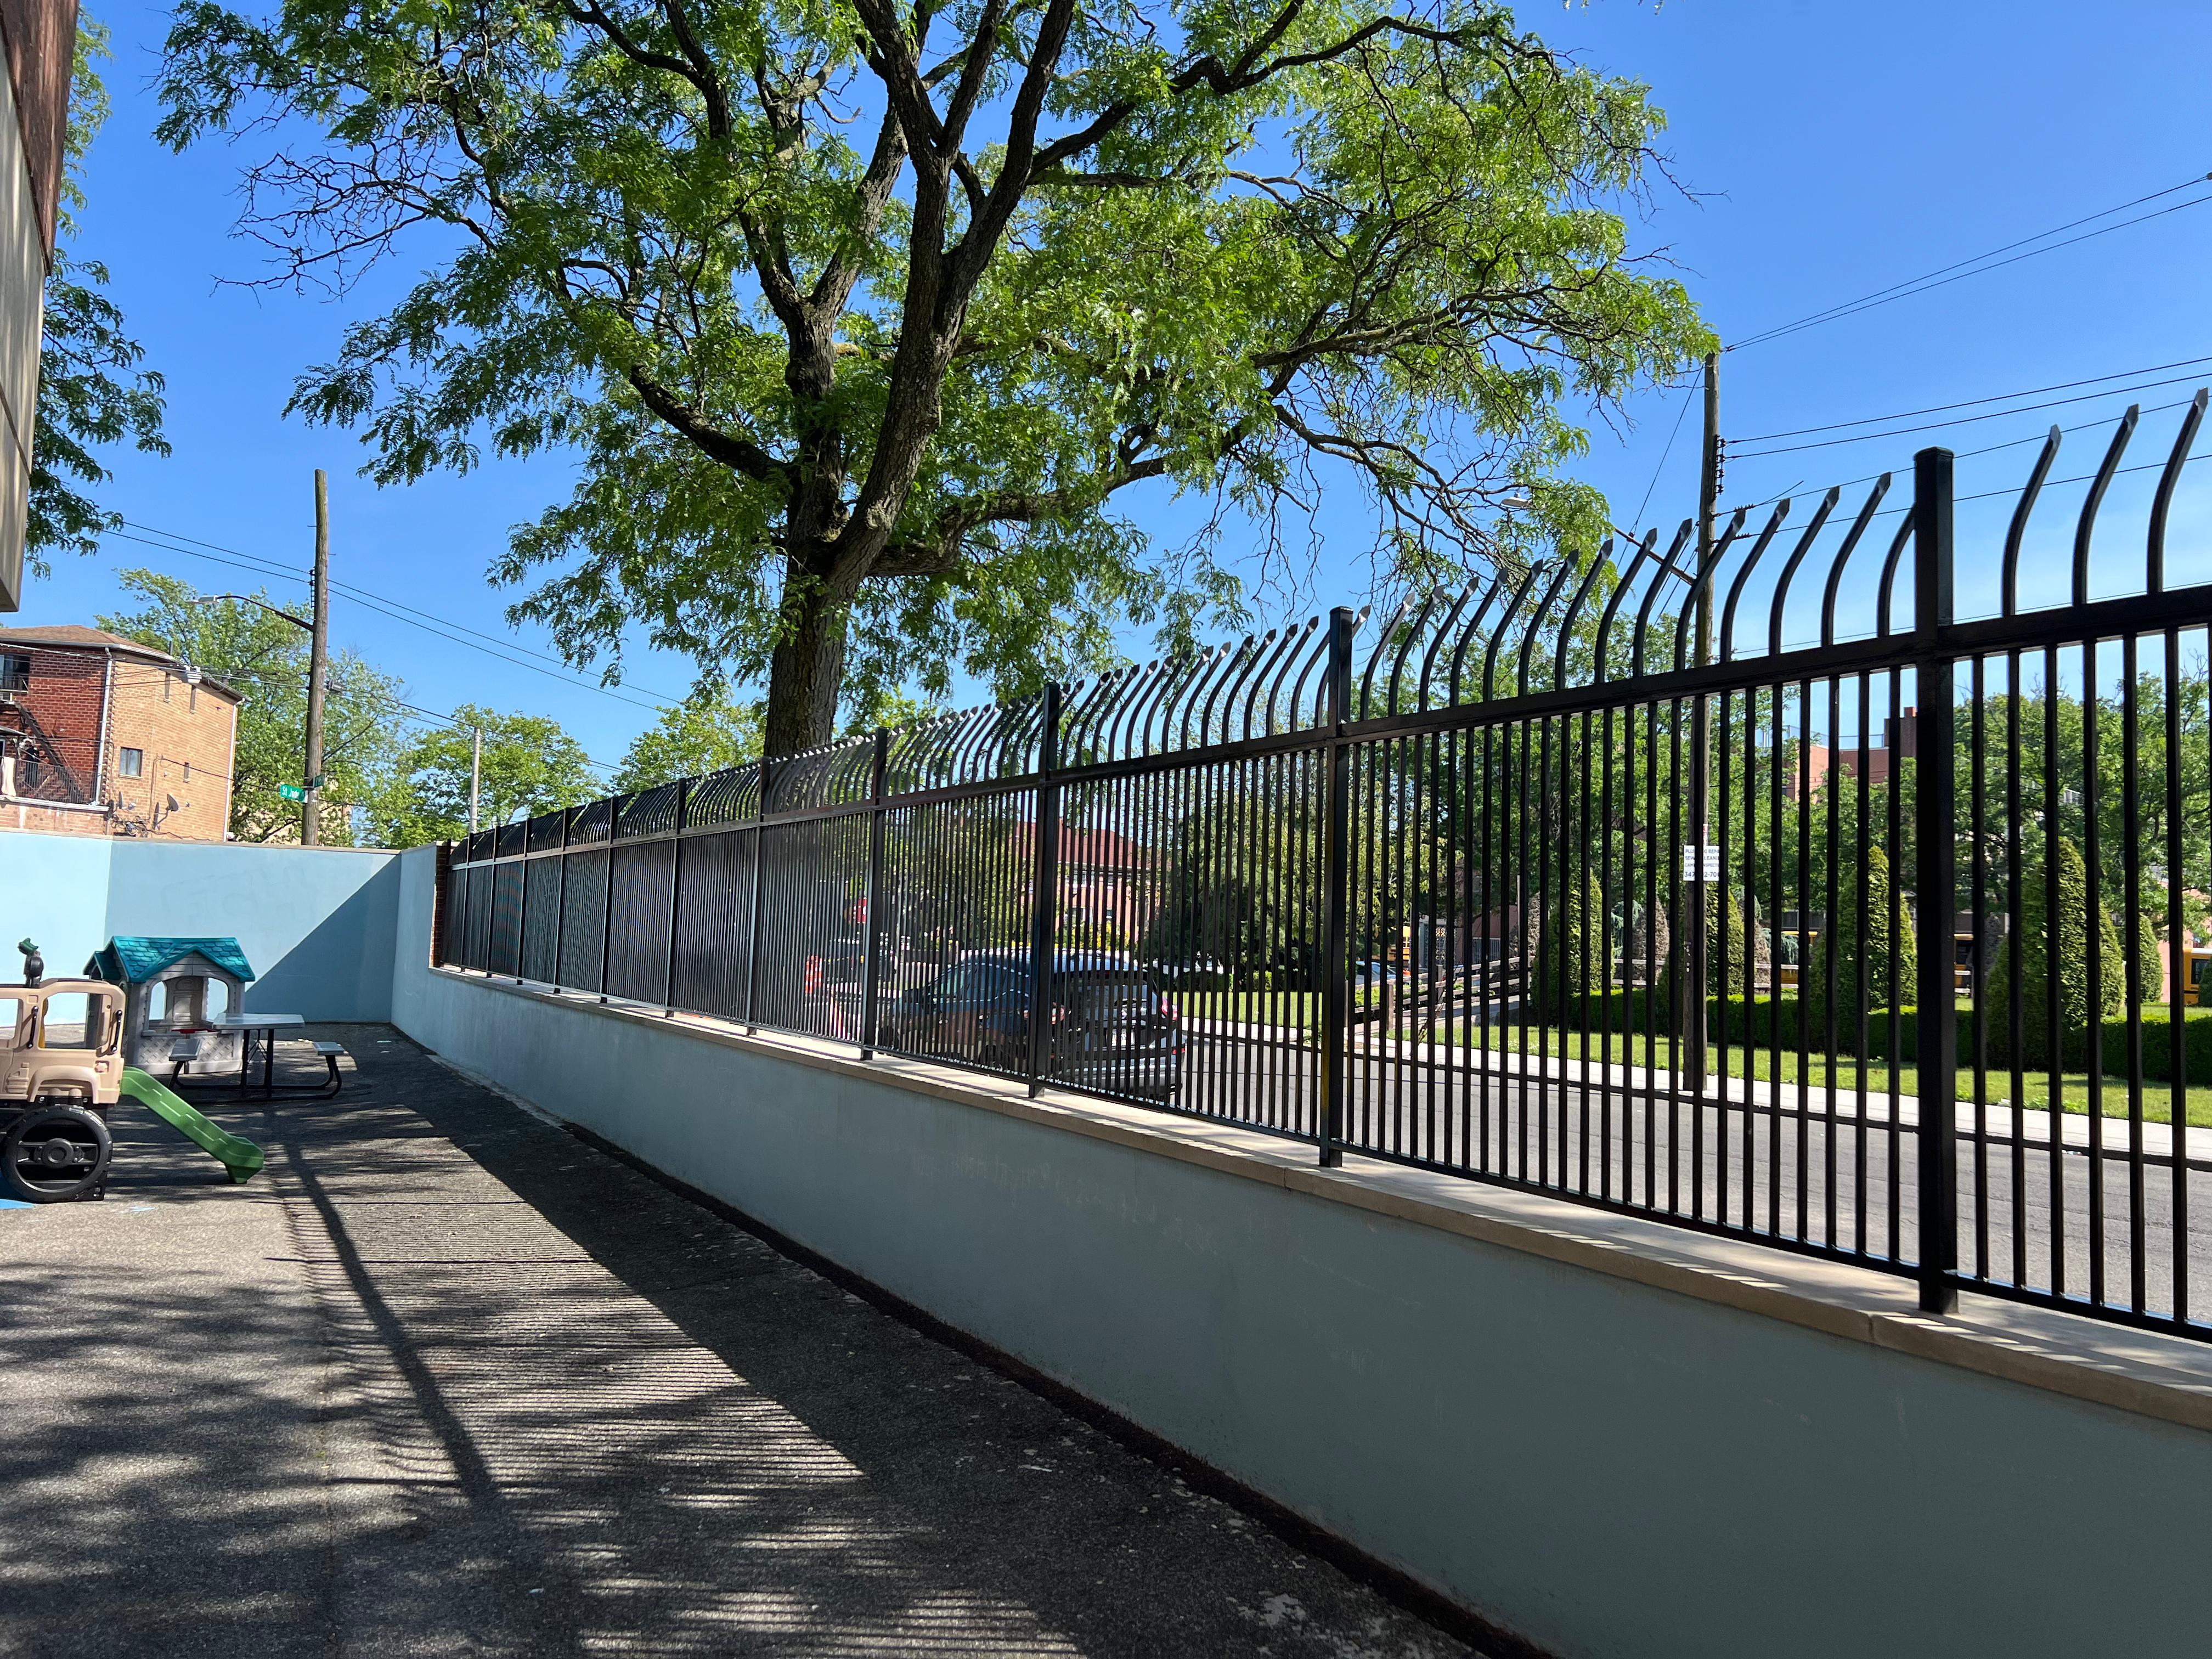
column 291, row 792
column 1712, row 862
column 316, row 782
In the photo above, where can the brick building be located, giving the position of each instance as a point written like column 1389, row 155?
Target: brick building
column 102, row 736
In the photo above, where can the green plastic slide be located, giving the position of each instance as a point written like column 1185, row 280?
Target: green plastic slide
column 240, row 1156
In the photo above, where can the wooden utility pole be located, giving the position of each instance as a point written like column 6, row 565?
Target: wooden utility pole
column 317, row 666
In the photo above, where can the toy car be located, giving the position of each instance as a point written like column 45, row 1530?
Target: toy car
column 61, row 1070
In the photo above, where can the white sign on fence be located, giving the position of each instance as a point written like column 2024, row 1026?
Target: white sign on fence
column 1712, row 863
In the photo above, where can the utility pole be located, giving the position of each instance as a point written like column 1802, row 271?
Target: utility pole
column 1708, row 491
column 318, row 665
column 476, row 773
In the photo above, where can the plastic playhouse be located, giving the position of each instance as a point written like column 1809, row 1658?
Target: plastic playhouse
column 166, row 998
column 61, row 1070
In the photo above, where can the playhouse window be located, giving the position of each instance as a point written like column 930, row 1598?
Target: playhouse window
column 12, row 1013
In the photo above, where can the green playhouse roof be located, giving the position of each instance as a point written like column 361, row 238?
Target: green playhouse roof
column 129, row 959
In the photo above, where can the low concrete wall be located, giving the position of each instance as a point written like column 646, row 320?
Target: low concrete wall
column 318, row 923
column 1606, row 1466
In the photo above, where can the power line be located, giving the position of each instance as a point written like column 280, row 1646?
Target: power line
column 1963, row 420
column 1688, row 398
column 391, row 608
column 1972, row 402
column 1942, row 278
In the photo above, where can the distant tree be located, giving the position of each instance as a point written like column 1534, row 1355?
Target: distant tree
column 264, row 658
column 92, row 392
column 706, row 732
column 531, row 765
column 1884, row 953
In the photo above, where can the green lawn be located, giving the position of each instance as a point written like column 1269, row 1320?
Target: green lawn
column 2158, row 1104
column 1297, row 1009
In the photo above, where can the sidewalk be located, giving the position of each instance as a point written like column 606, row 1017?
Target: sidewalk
column 446, row 1380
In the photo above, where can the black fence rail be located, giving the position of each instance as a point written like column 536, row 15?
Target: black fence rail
column 1743, row 884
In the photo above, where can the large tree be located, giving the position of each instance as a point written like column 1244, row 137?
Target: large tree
column 846, row 413
column 94, row 391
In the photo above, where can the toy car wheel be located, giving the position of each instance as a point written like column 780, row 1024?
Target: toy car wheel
column 55, row 1154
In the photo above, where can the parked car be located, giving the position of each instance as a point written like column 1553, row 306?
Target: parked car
column 1113, row 1032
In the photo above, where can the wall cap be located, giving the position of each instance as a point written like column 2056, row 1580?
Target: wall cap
column 2144, row 1372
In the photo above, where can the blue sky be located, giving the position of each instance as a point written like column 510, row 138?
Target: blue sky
column 1832, row 151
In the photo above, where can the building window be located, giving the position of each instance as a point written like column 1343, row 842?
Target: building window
column 15, row 672
column 133, row 764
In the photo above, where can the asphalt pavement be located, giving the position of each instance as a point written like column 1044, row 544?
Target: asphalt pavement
column 445, row 1381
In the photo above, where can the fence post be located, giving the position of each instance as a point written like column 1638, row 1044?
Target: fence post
column 1935, row 886
column 607, row 909
column 561, row 894
column 872, row 933
column 1044, row 892
column 1336, row 867
column 675, row 877
column 444, row 886
column 753, row 921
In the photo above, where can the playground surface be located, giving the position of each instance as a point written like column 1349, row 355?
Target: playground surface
column 444, row 1380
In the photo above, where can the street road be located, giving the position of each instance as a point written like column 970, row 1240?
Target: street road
column 1846, row 1183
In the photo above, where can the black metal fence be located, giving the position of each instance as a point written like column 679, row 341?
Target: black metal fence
column 1755, row 891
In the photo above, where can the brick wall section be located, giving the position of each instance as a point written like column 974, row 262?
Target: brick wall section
column 185, row 734
column 67, row 689
column 83, row 683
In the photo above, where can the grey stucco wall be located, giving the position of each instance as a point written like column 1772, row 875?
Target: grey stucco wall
column 317, row 923
column 1609, row 1468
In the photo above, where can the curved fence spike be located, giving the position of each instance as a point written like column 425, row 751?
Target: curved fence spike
column 1437, row 644
column 1467, row 635
column 2017, row 531
column 1790, row 569
column 1743, row 576
column 1290, row 657
column 2155, row 551
column 1700, row 607
column 1239, row 669
column 1157, row 705
column 1313, row 659
column 2095, row 499
column 1529, row 632
column 1269, row 679
column 1612, row 605
column 1844, row 557
column 1889, row 577
column 1375, row 657
column 1668, row 566
column 1574, row 610
column 1415, row 631
column 1504, row 627
column 1210, row 668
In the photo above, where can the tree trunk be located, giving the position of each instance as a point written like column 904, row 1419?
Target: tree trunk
column 807, row 667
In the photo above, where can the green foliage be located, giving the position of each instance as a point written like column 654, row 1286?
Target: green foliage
column 849, row 416
column 264, row 658
column 531, row 765
column 1571, row 951
column 1886, row 951
column 92, row 392
column 706, row 732
column 2033, row 931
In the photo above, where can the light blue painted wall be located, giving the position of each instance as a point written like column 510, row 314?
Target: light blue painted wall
column 317, row 923
column 53, row 890
column 1613, row 1469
